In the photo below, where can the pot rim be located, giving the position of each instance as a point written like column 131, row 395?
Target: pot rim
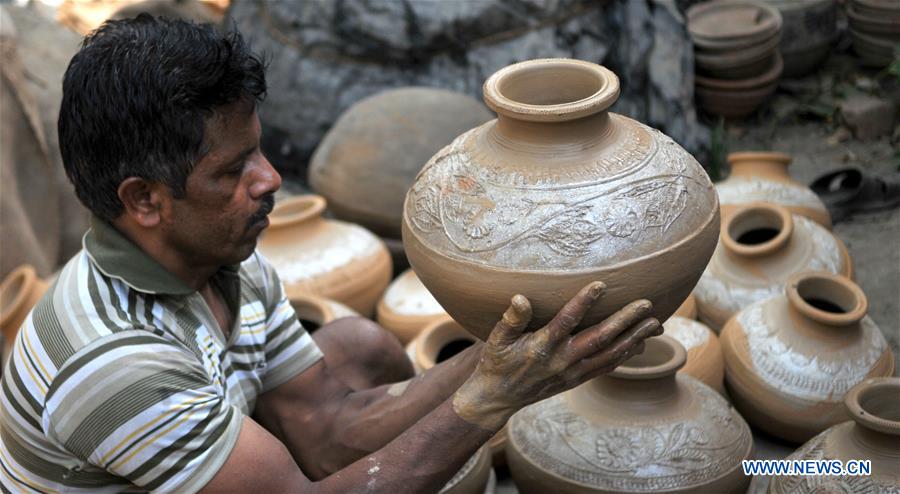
column 24, row 278
column 889, row 386
column 698, row 10
column 677, row 357
column 740, row 157
column 851, row 292
column 750, row 83
column 778, row 213
column 496, row 93
column 435, row 335
column 296, row 209
column 319, row 305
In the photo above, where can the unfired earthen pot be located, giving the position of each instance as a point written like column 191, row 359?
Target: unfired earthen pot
column 315, row 312
column 704, row 353
column 688, row 308
column 328, row 258
column 789, row 360
column 873, row 434
column 556, row 193
column 439, row 340
column 19, row 292
column 763, row 176
column 369, row 158
column 761, row 245
column 642, row 428
column 406, row 307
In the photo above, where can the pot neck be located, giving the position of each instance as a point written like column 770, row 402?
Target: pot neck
column 759, row 164
column 645, row 379
column 757, row 230
column 874, row 405
column 555, row 138
column 294, row 211
column 826, row 298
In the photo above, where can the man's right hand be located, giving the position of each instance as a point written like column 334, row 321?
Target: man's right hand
column 517, row 369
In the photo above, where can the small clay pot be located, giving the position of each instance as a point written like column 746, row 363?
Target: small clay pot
column 315, row 312
column 808, row 31
column 738, row 98
column 884, row 27
column 704, row 353
column 473, row 477
column 731, row 24
column 641, row 428
column 761, row 245
column 873, row 51
column 407, row 307
column 873, row 434
column 747, row 63
column 19, row 292
column 763, row 176
column 790, row 359
column 329, row 258
column 688, row 308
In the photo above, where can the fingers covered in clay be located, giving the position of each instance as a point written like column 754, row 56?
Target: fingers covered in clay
column 513, row 322
column 570, row 316
column 600, row 336
column 626, row 345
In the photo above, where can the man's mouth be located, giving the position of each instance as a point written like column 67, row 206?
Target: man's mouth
column 260, row 217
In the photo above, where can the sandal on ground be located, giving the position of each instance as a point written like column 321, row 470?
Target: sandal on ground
column 849, row 191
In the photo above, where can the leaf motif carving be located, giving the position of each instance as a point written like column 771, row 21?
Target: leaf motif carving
column 571, row 232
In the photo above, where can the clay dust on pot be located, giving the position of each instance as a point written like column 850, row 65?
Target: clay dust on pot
column 555, row 193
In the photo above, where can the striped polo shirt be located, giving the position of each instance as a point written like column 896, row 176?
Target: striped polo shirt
column 120, row 379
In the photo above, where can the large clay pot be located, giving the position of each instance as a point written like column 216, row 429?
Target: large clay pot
column 808, row 30
column 642, row 428
column 315, row 312
column 554, row 194
column 789, row 360
column 19, row 292
column 329, row 258
column 369, row 158
column 763, row 176
column 704, row 353
column 406, row 307
column 761, row 245
column 873, row 434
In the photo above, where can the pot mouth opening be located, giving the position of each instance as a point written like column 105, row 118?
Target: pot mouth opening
column 662, row 357
column 296, row 209
column 442, row 340
column 312, row 312
column 827, row 298
column 875, row 404
column 14, row 289
column 757, row 230
column 551, row 90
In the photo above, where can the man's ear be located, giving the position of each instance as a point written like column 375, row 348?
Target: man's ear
column 143, row 200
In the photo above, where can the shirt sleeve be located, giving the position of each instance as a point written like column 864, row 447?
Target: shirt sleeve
column 142, row 408
column 289, row 349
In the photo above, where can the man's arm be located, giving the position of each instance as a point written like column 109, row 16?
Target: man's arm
column 514, row 370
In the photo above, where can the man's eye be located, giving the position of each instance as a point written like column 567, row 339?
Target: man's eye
column 236, row 170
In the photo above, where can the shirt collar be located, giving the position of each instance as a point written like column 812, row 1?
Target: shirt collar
column 118, row 257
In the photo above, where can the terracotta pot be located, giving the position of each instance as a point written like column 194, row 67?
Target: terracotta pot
column 762, row 176
column 315, row 312
column 756, row 81
column 556, row 193
column 885, row 27
column 790, row 359
column 746, row 63
column 808, row 31
column 704, row 353
column 731, row 24
column 688, row 308
column 639, row 429
column 369, row 158
column 473, row 477
column 873, row 434
column 406, row 307
column 762, row 244
column 328, row 258
column 739, row 98
column 876, row 8
column 872, row 50
column 19, row 292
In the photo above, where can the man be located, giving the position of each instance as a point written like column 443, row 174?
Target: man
column 166, row 358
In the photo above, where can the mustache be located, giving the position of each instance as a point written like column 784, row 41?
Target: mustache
column 268, row 204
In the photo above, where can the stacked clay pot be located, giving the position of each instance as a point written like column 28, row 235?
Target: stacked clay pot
column 329, row 258
column 704, row 353
column 438, row 341
column 873, row 434
column 808, row 31
column 315, row 312
column 763, row 176
column 737, row 61
column 641, row 428
column 761, row 245
column 406, row 307
column 558, row 192
column 370, row 156
column 790, row 359
column 875, row 30
column 19, row 292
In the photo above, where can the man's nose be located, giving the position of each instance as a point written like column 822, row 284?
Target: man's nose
column 266, row 179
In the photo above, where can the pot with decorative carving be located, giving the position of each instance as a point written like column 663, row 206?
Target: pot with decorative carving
column 406, row 307
column 704, row 353
column 763, row 176
column 641, row 428
column 329, row 258
column 761, row 245
column 20, row 290
column 790, row 359
column 873, row 434
column 553, row 194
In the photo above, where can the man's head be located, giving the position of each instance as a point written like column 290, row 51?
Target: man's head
column 158, row 131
